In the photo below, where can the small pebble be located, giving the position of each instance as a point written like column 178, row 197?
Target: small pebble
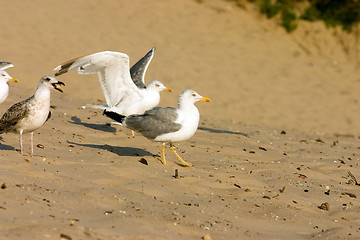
column 349, row 194
column 262, row 148
column 237, row 185
column 325, row 206
column 108, row 212
column 65, row 237
column 143, row 161
column 176, row 174
column 40, row 146
column 206, row 237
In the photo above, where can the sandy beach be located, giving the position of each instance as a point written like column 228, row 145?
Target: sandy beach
column 276, row 154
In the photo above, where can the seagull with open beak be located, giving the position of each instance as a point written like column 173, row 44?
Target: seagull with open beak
column 28, row 115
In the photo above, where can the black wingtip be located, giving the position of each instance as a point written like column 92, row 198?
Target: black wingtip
column 150, row 53
column 115, row 116
column 5, row 65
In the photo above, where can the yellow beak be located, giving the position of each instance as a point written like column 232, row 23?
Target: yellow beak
column 168, row 89
column 14, row 80
column 205, row 99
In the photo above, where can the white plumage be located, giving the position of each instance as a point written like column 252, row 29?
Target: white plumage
column 166, row 125
column 124, row 89
column 4, row 78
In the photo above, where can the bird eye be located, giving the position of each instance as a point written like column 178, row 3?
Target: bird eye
column 194, row 95
column 3, row 75
column 157, row 85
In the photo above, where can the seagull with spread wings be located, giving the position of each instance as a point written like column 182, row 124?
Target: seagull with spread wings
column 124, row 90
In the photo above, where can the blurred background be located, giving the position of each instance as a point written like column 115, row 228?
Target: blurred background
column 281, row 64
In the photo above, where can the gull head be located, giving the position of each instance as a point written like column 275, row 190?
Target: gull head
column 51, row 82
column 4, row 76
column 189, row 95
column 158, row 86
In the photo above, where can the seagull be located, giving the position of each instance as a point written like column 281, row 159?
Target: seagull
column 30, row 114
column 4, row 78
column 166, row 125
column 124, row 90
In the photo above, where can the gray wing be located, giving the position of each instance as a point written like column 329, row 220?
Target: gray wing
column 5, row 65
column 138, row 70
column 13, row 115
column 154, row 122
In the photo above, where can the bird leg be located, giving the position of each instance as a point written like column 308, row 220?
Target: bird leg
column 132, row 133
column 31, row 142
column 185, row 164
column 163, row 154
column 20, row 139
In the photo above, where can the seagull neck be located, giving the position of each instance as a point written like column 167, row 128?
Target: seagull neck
column 184, row 105
column 42, row 92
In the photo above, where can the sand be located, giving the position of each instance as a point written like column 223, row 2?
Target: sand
column 272, row 154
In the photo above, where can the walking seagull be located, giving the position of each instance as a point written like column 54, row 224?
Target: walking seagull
column 4, row 78
column 124, row 90
column 166, row 125
column 30, row 114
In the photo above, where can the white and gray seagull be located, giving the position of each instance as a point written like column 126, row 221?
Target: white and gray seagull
column 124, row 89
column 4, row 78
column 28, row 115
column 166, row 125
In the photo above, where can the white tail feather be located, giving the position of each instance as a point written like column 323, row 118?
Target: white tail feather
column 103, row 107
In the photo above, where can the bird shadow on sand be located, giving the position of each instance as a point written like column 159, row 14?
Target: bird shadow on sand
column 213, row 130
column 120, row 151
column 101, row 127
column 4, row 146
